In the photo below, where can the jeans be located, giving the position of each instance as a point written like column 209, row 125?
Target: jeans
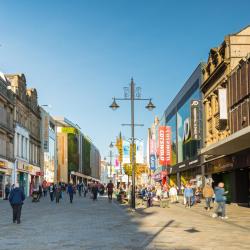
column 51, row 196
column 71, row 198
column 208, row 201
column 17, row 208
column 221, row 208
column 188, row 201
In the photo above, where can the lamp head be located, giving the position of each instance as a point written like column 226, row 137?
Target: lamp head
column 114, row 105
column 150, row 106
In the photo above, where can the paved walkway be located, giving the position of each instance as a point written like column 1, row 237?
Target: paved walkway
column 102, row 225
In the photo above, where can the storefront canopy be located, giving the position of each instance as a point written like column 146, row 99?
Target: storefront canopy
column 84, row 176
column 230, row 145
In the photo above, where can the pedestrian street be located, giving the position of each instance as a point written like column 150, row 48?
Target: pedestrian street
column 88, row 224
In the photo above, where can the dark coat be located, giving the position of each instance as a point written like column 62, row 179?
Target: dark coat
column 16, row 196
column 70, row 189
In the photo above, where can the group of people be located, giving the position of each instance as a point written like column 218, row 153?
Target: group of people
column 191, row 196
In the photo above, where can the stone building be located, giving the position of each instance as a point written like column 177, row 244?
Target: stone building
column 226, row 120
column 6, row 134
column 27, row 134
column 221, row 61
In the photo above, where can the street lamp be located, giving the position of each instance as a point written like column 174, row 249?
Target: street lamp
column 135, row 95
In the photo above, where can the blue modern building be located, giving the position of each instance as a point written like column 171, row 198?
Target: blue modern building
column 184, row 116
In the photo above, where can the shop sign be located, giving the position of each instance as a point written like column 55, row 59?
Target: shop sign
column 195, row 120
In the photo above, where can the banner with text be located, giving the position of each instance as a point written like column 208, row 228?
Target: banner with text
column 164, row 142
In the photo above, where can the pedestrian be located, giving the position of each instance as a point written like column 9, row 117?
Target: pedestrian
column 85, row 190
column 110, row 189
column 79, row 188
column 7, row 191
column 173, row 194
column 16, row 199
column 45, row 188
column 94, row 191
column 70, row 191
column 164, row 201
column 51, row 192
column 188, row 193
column 149, row 197
column 220, row 198
column 208, row 194
column 40, row 191
column 58, row 192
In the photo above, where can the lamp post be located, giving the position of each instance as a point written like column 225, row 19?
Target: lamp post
column 135, row 95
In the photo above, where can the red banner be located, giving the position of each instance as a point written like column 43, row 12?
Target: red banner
column 164, row 142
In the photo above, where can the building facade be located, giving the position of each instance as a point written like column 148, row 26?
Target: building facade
column 6, row 134
column 78, row 158
column 48, row 147
column 27, row 134
column 184, row 117
column 226, row 105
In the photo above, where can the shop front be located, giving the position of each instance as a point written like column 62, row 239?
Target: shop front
column 160, row 175
column 5, row 176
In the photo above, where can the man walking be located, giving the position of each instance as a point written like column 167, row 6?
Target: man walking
column 208, row 193
column 110, row 188
column 16, row 200
column 95, row 191
column 220, row 198
column 188, row 193
column 70, row 192
column 51, row 192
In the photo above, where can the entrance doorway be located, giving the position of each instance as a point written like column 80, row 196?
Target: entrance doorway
column 243, row 186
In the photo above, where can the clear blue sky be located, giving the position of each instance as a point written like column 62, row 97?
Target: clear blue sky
column 79, row 54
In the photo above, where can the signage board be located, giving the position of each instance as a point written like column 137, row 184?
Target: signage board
column 164, row 142
column 195, row 120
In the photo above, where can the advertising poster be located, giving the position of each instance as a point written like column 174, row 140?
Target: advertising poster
column 126, row 150
column 164, row 142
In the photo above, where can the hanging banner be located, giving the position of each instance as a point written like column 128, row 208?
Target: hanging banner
column 195, row 120
column 222, row 96
column 164, row 141
column 139, row 152
column 126, row 151
column 152, row 162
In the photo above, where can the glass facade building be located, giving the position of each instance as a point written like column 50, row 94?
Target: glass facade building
column 179, row 115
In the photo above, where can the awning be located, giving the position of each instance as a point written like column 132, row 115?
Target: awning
column 230, row 145
column 81, row 175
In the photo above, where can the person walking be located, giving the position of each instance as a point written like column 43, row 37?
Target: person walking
column 94, row 191
column 173, row 194
column 208, row 194
column 85, row 190
column 220, row 198
column 16, row 199
column 70, row 192
column 58, row 192
column 51, row 192
column 7, row 191
column 188, row 193
column 110, row 189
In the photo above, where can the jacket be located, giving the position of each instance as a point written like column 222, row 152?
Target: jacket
column 16, row 196
column 70, row 189
column 220, row 194
column 188, row 192
column 208, row 191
